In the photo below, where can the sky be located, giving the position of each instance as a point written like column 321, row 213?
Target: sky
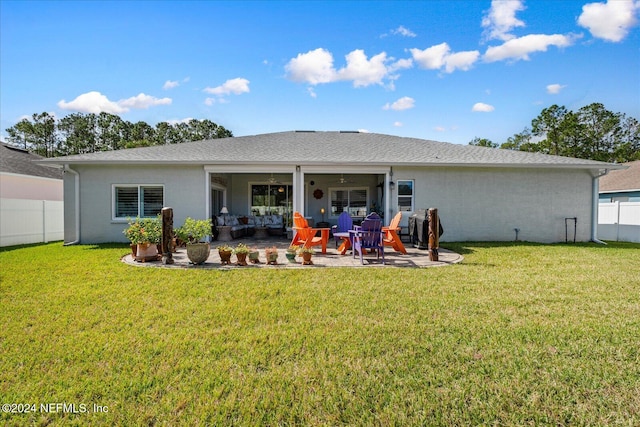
column 440, row 70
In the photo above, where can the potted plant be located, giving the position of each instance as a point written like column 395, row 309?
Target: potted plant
column 193, row 232
column 254, row 256
column 272, row 255
column 145, row 235
column 225, row 252
column 241, row 251
column 306, row 254
column 292, row 251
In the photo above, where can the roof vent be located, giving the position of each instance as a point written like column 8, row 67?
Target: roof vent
column 349, row 131
column 305, row 131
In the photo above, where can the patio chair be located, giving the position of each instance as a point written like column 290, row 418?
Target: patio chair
column 303, row 235
column 340, row 231
column 390, row 234
column 369, row 236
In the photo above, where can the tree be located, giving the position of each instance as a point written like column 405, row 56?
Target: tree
column 519, row 141
column 483, row 142
column 548, row 125
column 593, row 132
column 79, row 133
column 22, row 134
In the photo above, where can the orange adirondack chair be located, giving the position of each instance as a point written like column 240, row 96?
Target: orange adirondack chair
column 390, row 234
column 306, row 236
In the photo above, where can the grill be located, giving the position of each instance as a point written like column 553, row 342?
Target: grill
column 419, row 229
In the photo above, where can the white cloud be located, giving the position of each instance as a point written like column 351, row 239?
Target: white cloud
column 95, row 102
column 209, row 101
column 482, row 107
column 521, row 47
column 439, row 129
column 143, row 101
column 555, row 88
column 401, row 30
column 316, row 66
column 312, row 93
column 431, row 58
column 398, row 124
column 313, row 67
column 501, row 19
column 404, row 103
column 440, row 56
column 235, row 86
column 460, row 60
column 610, row 21
column 176, row 121
column 170, row 84
column 363, row 130
column 363, row 71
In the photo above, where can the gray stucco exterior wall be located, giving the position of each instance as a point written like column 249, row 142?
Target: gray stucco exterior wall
column 184, row 191
column 480, row 204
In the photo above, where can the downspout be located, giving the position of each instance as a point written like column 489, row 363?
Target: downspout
column 76, row 187
column 595, row 196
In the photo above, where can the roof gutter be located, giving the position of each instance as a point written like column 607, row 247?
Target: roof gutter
column 76, row 186
column 595, row 196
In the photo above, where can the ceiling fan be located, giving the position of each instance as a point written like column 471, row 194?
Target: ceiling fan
column 272, row 180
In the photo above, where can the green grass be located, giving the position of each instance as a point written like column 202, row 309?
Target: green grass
column 514, row 335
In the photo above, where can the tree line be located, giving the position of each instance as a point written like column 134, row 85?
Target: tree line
column 592, row 132
column 81, row 133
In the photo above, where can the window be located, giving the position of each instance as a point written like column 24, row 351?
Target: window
column 351, row 200
column 405, row 195
column 272, row 199
column 137, row 200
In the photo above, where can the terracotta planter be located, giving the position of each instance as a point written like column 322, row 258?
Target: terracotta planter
column 272, row 257
column 146, row 252
column 225, row 257
column 198, row 252
column 242, row 259
column 306, row 258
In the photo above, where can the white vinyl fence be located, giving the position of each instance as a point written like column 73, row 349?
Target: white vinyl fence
column 619, row 221
column 30, row 221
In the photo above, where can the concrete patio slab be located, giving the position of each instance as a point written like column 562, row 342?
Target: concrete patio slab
column 415, row 258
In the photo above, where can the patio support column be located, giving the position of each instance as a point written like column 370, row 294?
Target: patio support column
column 298, row 190
column 388, row 212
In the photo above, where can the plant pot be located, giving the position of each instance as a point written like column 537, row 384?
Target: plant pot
column 146, row 252
column 306, row 258
column 198, row 252
column 134, row 251
column 242, row 258
column 291, row 256
column 225, row 257
column 254, row 257
column 272, row 257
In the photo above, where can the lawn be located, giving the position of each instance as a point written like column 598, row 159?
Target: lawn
column 516, row 334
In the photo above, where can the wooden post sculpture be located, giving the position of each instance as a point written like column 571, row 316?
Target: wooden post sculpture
column 434, row 236
column 167, row 236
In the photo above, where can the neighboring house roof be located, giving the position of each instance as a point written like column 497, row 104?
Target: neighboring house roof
column 622, row 180
column 328, row 148
column 19, row 161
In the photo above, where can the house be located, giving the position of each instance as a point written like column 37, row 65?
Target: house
column 31, row 199
column 621, row 185
column 481, row 193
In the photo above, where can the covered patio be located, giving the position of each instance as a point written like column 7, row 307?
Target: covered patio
column 415, row 258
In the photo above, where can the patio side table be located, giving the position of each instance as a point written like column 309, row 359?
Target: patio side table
column 224, row 233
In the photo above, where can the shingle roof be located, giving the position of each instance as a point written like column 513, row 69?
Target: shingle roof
column 622, row 180
column 329, row 148
column 19, row 161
